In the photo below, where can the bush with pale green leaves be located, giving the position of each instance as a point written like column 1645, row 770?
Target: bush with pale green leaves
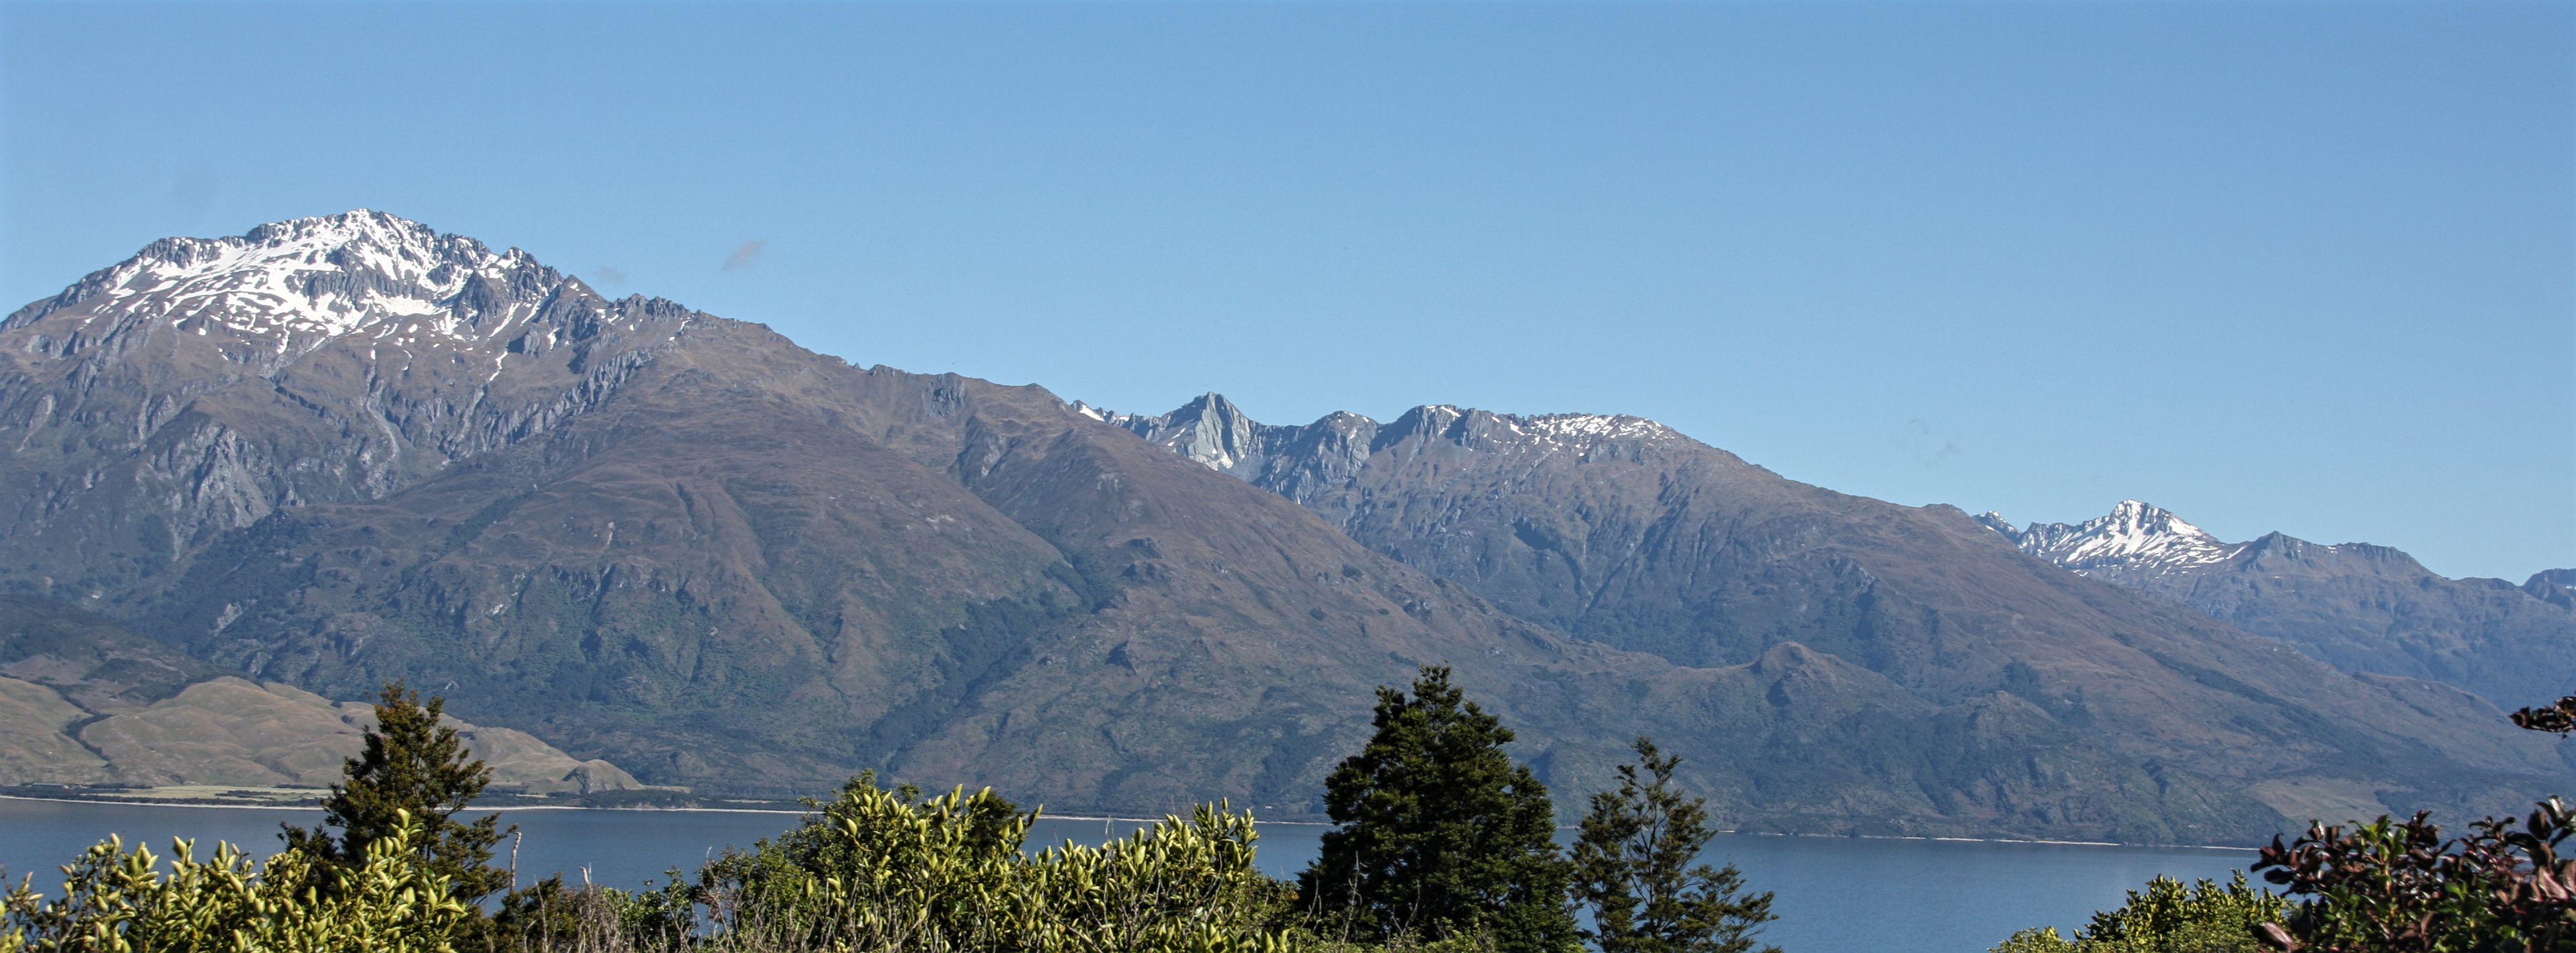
column 2167, row 917
column 881, row 869
column 116, row 901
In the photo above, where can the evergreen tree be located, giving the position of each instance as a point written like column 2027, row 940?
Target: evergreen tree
column 1632, row 866
column 411, row 763
column 1441, row 833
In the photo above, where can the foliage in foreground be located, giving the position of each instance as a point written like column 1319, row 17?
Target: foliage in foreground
column 889, row 870
column 1451, row 834
column 1633, row 867
column 114, row 901
column 2167, row 917
column 412, row 771
column 2399, row 887
column 2387, row 886
column 1442, row 834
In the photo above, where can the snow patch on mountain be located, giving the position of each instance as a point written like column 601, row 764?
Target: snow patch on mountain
column 1592, row 428
column 297, row 284
column 2136, row 539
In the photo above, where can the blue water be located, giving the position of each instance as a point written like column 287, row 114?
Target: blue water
column 1831, row 893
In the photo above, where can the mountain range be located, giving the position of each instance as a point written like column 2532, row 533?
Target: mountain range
column 2358, row 607
column 339, row 450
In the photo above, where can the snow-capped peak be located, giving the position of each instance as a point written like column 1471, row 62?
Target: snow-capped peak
column 304, row 281
column 2135, row 537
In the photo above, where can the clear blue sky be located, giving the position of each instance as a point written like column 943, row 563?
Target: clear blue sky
column 2296, row 266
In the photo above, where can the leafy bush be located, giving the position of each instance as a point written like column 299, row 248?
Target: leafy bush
column 387, row 901
column 2383, row 887
column 880, row 869
column 2399, row 886
column 2166, row 918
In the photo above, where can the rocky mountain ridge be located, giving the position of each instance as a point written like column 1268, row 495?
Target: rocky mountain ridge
column 1646, row 540
column 2360, row 607
column 683, row 544
column 318, row 360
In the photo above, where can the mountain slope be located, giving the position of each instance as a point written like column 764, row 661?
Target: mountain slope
column 1621, row 530
column 2359, row 607
column 90, row 702
column 680, row 542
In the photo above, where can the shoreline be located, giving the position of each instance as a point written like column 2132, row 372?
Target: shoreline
column 1117, row 819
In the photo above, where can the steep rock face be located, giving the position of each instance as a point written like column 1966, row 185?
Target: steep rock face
column 2359, row 607
column 683, row 544
column 1621, row 530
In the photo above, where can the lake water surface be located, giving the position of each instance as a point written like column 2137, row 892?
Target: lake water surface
column 1832, row 894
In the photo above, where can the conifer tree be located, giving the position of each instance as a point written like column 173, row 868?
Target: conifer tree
column 1632, row 866
column 1441, row 833
column 411, row 763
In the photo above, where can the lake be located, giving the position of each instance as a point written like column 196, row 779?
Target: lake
column 1833, row 894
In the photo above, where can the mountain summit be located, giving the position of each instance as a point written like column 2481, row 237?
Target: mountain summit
column 301, row 283
column 2360, row 607
column 332, row 452
column 325, row 359
column 2137, row 544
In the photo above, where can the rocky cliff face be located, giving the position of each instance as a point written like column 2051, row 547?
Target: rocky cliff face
column 683, row 544
column 2359, row 607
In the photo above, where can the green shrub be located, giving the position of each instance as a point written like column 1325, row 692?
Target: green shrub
column 881, row 869
column 2399, row 885
column 2166, row 918
column 113, row 901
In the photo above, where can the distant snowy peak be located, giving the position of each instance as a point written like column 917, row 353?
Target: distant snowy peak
column 2136, row 538
column 298, row 283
